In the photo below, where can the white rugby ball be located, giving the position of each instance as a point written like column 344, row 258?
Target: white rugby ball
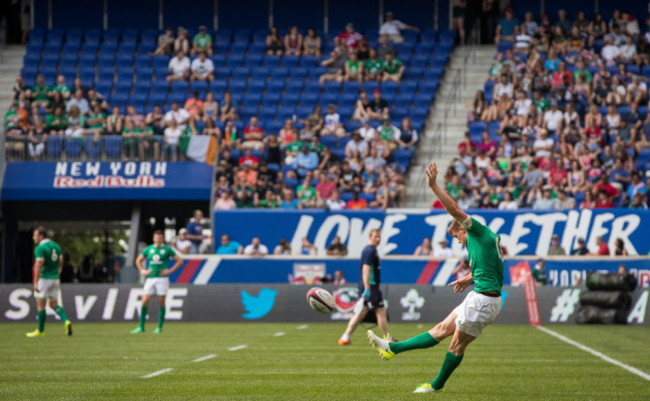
column 320, row 300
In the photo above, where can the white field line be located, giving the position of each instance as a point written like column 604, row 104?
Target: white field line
column 279, row 334
column 596, row 353
column 204, row 358
column 304, row 326
column 154, row 374
column 237, row 348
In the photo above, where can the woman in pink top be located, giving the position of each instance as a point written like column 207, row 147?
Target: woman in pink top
column 287, row 133
column 194, row 106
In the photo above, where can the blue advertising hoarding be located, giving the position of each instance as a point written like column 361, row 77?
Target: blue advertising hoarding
column 523, row 232
column 107, row 181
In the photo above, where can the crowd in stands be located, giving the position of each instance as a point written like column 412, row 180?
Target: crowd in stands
column 296, row 128
column 563, row 120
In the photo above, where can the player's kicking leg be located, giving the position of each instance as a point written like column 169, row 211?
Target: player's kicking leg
column 146, row 298
column 161, row 314
column 67, row 324
column 41, row 314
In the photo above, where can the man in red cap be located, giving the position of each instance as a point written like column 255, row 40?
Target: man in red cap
column 377, row 107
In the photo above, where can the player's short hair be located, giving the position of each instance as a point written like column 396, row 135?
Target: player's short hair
column 41, row 231
column 373, row 231
column 158, row 232
column 454, row 226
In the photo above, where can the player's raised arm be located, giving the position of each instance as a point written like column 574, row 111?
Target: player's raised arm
column 447, row 201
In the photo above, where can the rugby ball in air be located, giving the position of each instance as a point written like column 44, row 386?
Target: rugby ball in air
column 320, row 300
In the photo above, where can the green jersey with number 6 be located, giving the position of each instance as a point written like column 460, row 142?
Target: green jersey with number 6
column 485, row 258
column 50, row 252
column 158, row 258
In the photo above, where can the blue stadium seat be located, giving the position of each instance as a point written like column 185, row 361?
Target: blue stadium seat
column 271, row 61
column 201, row 86
column 218, row 86
column 271, row 98
column 130, row 35
column 308, row 61
column 351, row 87
column 295, row 86
column 331, row 87
column 241, row 73
column 315, row 73
column 54, row 147
column 290, row 61
column 142, row 87
column 242, row 35
column 238, row 48
column 412, row 74
column 223, row 73
column 36, row 36
column 92, row 36
column 275, row 87
column 369, row 87
column 112, row 146
column 55, row 35
column 218, row 60
column 260, row 73
column 279, row 73
column 235, row 61
column 106, row 60
column 73, row 148
column 93, row 149
column 267, row 113
column 111, row 36
column 103, row 87
column 179, row 87
column 290, row 99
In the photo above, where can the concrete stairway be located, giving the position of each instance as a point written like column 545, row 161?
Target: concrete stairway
column 12, row 62
column 443, row 149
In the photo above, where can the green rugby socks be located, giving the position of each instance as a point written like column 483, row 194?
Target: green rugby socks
column 424, row 340
column 59, row 311
column 161, row 317
column 143, row 316
column 41, row 320
column 451, row 362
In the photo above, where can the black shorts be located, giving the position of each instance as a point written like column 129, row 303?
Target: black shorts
column 376, row 297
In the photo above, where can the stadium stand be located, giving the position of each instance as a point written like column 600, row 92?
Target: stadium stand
column 112, row 81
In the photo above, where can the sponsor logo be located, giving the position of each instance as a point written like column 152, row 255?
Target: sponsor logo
column 411, row 301
column 258, row 306
column 308, row 271
column 345, row 299
column 122, row 175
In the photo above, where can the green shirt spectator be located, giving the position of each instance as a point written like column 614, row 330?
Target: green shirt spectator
column 373, row 66
column 393, row 66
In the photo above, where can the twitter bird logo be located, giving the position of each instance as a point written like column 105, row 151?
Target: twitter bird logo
column 259, row 306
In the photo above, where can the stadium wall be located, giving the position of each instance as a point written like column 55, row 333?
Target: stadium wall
column 523, row 232
column 286, row 303
column 561, row 272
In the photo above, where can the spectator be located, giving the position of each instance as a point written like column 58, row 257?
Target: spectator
column 36, row 141
column 181, row 244
column 182, row 42
column 638, row 202
column 288, row 201
column 338, row 278
column 367, row 132
column 564, row 202
column 170, row 145
column 165, row 43
column 622, row 269
column 40, row 92
column 378, row 107
column 458, row 18
column 61, row 87
column 581, row 249
column 523, row 40
column 293, row 42
column 335, row 202
column 255, row 248
column 424, row 249
column 202, row 68
column 443, row 251
column 384, row 48
column 333, row 125
column 115, row 122
column 356, row 145
column 393, row 68
column 393, row 28
column 349, row 38
column 603, row 249
column 325, row 188
column 274, row 42
column 462, row 269
column 306, row 192
column 195, row 231
column 307, row 248
column 506, row 27
column 79, row 101
column 253, row 135
column 312, row 44
column 619, row 248
column 353, row 69
column 179, row 67
column 225, row 202
column 556, row 249
column 337, row 248
column 57, row 122
column 228, row 110
column 202, row 42
column 283, row 248
column 334, row 72
column 546, row 201
column 315, row 119
column 539, row 273
column 357, row 203
column 610, row 53
column 306, row 161
column 373, row 67
column 154, row 119
column 508, row 203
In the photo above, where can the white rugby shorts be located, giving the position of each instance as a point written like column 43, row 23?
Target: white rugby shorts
column 156, row 285
column 475, row 312
column 48, row 288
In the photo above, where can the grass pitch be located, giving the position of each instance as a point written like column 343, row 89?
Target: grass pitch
column 104, row 362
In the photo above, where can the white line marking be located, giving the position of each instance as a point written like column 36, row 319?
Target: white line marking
column 278, row 334
column 237, row 348
column 207, row 271
column 154, row 374
column 204, row 358
column 444, row 272
column 304, row 326
column 595, row 353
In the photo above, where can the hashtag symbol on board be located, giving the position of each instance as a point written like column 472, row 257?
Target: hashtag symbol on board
column 565, row 305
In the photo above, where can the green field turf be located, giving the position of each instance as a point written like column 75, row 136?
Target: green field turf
column 104, row 362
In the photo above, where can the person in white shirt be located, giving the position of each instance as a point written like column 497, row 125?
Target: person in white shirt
column 393, row 28
column 610, row 52
column 181, row 244
column 202, row 68
column 335, row 202
column 181, row 116
column 332, row 123
column 553, row 119
column 255, row 248
column 367, row 131
column 570, row 114
column 179, row 67
column 522, row 104
column 503, row 87
column 170, row 141
column 356, row 145
column 543, row 145
column 522, row 39
column 508, row 203
column 443, row 251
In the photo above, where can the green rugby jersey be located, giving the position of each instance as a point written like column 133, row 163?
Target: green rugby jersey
column 485, row 258
column 50, row 252
column 158, row 258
